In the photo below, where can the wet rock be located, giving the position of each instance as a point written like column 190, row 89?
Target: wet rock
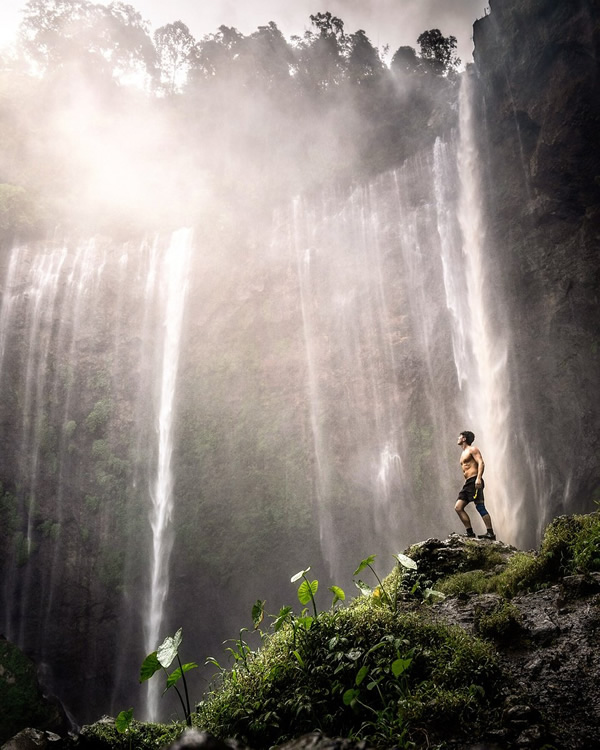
column 192, row 739
column 316, row 741
column 33, row 739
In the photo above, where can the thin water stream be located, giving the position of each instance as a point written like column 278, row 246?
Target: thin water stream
column 175, row 270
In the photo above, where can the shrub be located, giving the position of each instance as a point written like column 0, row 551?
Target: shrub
column 359, row 672
column 499, row 623
column 586, row 547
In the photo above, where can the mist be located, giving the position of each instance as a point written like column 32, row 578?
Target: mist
column 247, row 270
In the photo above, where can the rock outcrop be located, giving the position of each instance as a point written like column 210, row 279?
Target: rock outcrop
column 546, row 642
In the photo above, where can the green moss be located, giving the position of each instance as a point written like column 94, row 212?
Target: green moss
column 571, row 544
column 104, row 734
column 293, row 685
column 499, row 624
column 472, row 581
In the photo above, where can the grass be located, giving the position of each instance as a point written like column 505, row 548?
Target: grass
column 359, row 672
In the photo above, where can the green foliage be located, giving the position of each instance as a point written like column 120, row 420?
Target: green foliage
column 50, row 529
column 381, row 593
column 20, row 695
column 353, row 671
column 586, row 546
column 162, row 658
column 407, row 584
column 361, row 671
column 99, row 415
column 69, row 428
column 110, row 40
column 125, row 733
column 174, row 46
column 438, row 51
column 307, row 589
column 500, row 623
column 291, row 86
column 16, row 209
column 123, row 721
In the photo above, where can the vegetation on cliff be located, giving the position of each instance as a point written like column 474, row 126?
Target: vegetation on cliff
column 168, row 111
column 405, row 678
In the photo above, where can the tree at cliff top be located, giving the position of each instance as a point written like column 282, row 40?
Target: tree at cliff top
column 229, row 98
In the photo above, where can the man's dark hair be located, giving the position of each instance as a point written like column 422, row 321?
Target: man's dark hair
column 469, row 436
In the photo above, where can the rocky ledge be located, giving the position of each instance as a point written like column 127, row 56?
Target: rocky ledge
column 544, row 632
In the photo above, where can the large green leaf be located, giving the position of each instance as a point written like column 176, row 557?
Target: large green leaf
column 365, row 564
column 361, row 674
column 258, row 612
column 150, row 666
column 168, row 649
column 399, row 666
column 338, row 594
column 176, row 674
column 123, row 721
column 406, row 561
column 307, row 590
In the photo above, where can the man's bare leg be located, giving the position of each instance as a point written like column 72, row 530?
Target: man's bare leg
column 462, row 514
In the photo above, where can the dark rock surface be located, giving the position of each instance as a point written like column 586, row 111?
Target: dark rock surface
column 538, row 84
column 22, row 699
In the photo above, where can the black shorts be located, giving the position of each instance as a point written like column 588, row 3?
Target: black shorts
column 470, row 493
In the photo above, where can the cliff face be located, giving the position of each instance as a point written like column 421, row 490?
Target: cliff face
column 539, row 93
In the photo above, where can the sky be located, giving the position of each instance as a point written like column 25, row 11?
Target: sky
column 391, row 22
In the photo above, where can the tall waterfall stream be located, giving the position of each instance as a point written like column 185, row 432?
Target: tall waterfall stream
column 386, row 291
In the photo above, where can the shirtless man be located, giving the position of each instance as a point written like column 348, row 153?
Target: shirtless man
column 472, row 465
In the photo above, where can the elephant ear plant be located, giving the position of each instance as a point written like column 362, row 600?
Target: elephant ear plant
column 162, row 658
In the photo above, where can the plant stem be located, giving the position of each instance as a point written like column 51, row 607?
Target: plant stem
column 312, row 598
column 185, row 713
column 188, row 713
column 385, row 593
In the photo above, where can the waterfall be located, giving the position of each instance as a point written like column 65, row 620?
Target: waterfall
column 327, row 376
column 175, row 270
column 481, row 334
column 89, row 348
column 381, row 383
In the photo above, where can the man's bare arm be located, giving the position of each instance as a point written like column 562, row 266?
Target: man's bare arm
column 478, row 458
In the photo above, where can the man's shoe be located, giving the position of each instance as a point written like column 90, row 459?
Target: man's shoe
column 488, row 535
column 470, row 534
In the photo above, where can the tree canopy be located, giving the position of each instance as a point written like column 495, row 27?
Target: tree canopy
column 289, row 113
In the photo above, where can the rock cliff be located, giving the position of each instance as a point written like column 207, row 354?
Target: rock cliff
column 539, row 93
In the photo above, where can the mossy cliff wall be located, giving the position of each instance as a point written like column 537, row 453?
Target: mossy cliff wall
column 539, row 97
